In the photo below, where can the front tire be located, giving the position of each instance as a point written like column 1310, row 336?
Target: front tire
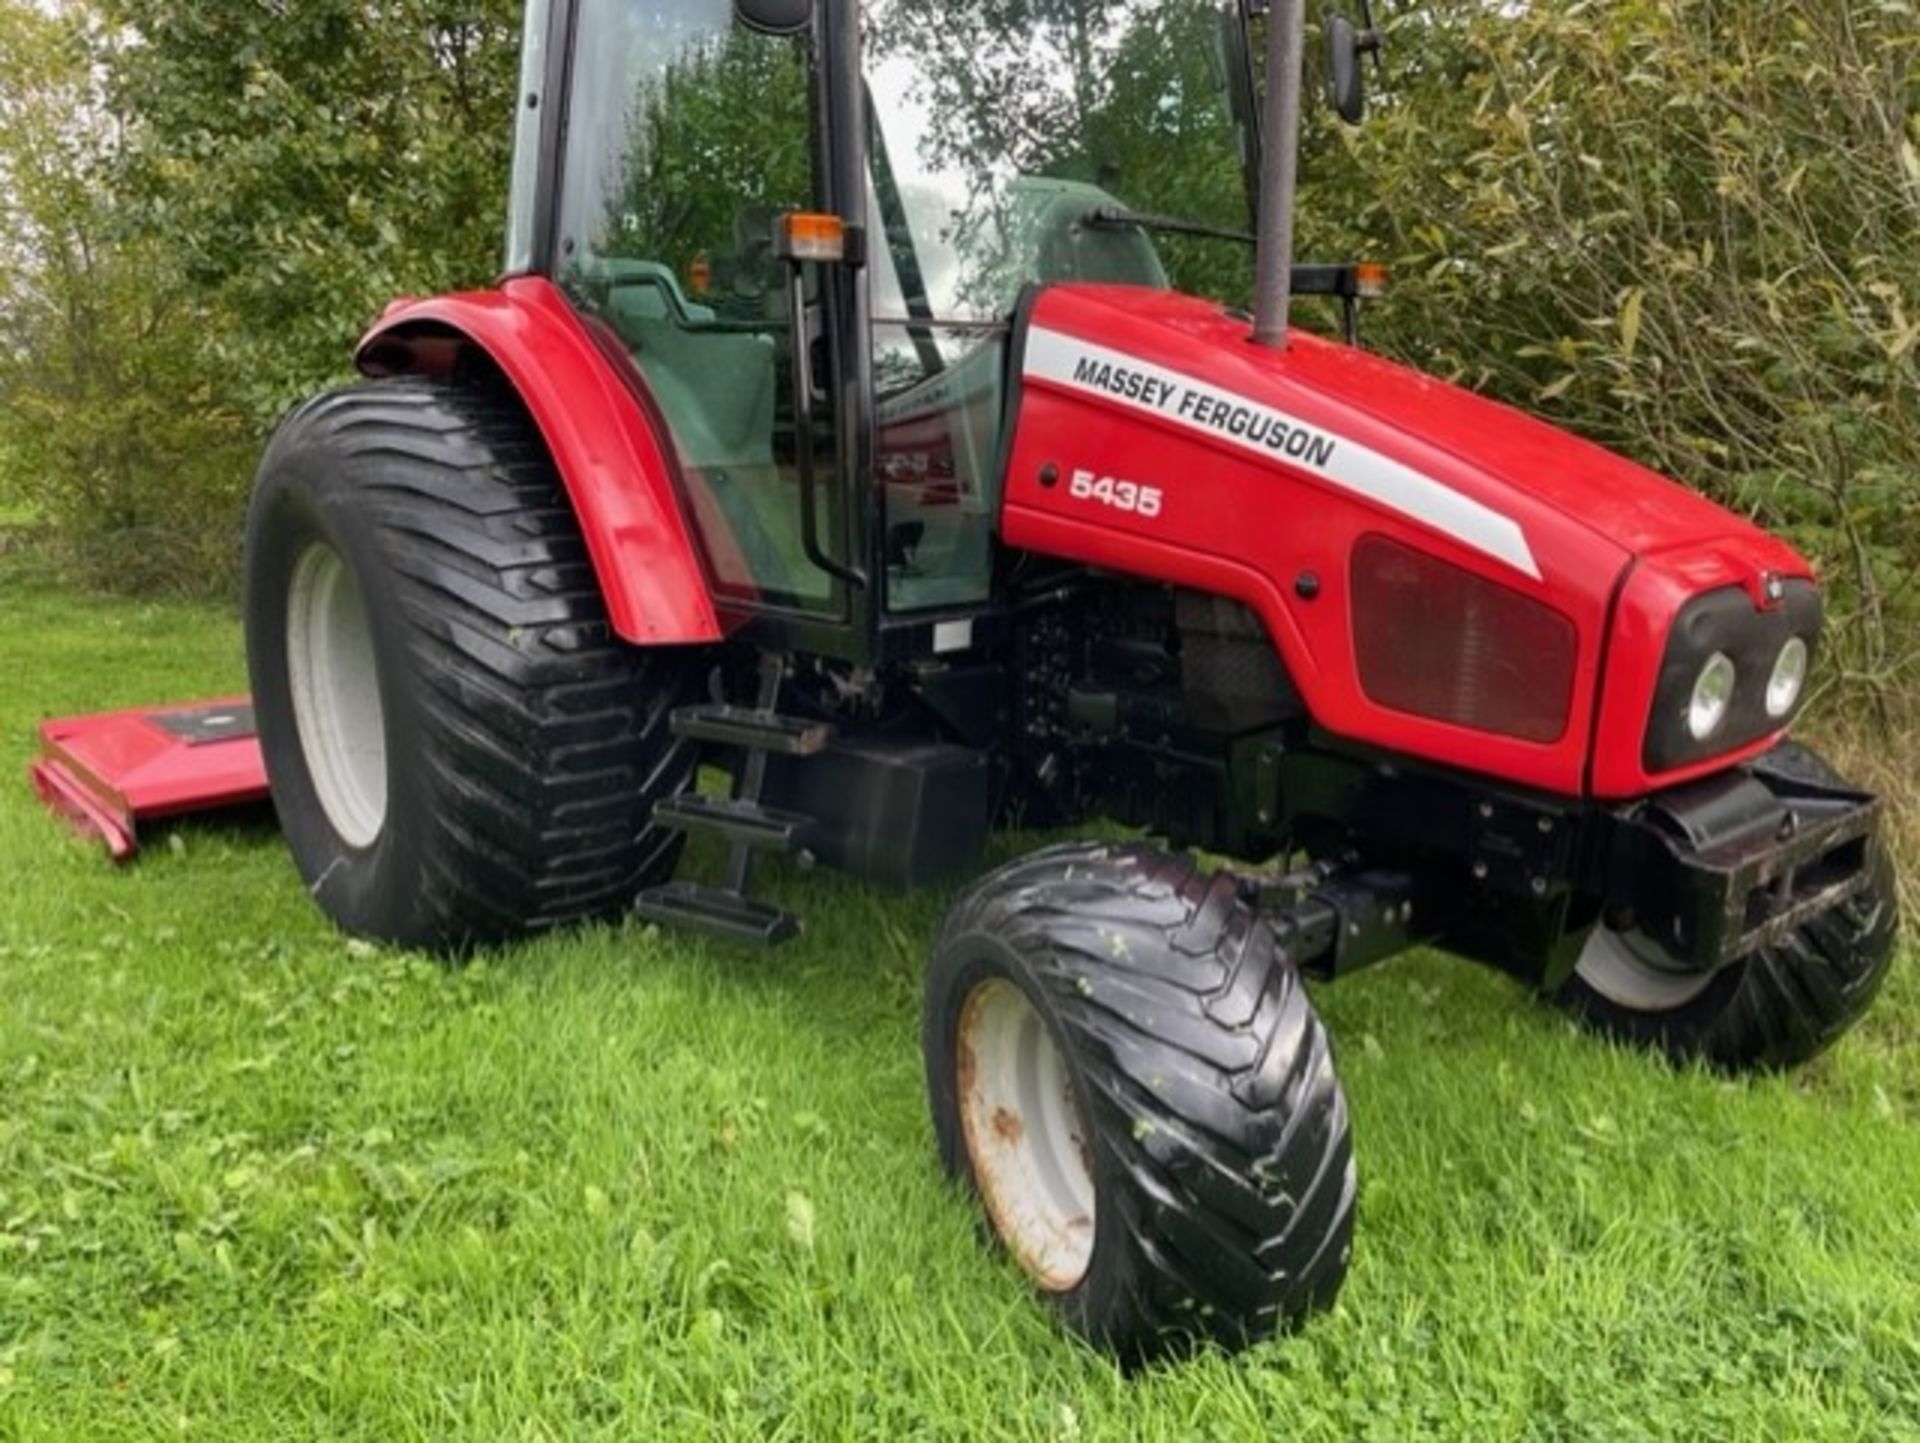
column 1123, row 1064
column 1775, row 1009
column 459, row 749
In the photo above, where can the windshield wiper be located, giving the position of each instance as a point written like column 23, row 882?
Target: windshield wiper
column 1113, row 217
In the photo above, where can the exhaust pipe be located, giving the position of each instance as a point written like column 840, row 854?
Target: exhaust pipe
column 1279, row 171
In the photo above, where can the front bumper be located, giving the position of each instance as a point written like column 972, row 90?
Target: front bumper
column 1722, row 867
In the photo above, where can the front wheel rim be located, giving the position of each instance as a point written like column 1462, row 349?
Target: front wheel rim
column 335, row 684
column 1625, row 968
column 1026, row 1138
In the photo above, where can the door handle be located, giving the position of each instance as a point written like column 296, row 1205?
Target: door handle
column 803, row 398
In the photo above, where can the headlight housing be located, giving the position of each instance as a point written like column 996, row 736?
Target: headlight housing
column 1732, row 674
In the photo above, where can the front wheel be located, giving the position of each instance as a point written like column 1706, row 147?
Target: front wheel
column 1124, row 1065
column 1774, row 1009
column 459, row 748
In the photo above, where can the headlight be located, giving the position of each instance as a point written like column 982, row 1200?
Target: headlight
column 1712, row 696
column 1788, row 679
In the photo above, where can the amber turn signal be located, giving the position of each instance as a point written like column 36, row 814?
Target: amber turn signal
column 809, row 236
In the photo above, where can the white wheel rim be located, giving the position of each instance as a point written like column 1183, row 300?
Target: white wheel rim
column 1025, row 1136
column 1626, row 969
column 336, row 694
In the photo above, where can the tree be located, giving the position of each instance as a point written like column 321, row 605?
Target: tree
column 306, row 163
column 1689, row 230
column 722, row 138
column 105, row 426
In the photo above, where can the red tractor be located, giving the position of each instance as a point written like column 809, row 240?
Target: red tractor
column 838, row 423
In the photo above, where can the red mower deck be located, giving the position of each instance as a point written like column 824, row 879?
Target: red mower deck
column 108, row 772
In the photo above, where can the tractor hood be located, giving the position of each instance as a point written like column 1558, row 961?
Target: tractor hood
column 1492, row 478
column 1444, row 577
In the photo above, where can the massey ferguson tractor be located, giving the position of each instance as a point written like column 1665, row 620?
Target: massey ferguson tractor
column 838, row 426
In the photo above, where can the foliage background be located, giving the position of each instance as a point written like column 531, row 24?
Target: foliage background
column 203, row 205
column 1687, row 228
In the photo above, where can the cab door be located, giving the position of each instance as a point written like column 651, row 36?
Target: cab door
column 961, row 226
column 687, row 134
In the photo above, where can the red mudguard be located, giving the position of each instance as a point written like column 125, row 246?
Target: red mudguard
column 610, row 457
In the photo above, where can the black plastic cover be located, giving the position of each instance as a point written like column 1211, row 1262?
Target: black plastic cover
column 896, row 813
column 774, row 17
column 205, row 725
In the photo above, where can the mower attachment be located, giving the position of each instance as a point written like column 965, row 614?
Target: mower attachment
column 105, row 773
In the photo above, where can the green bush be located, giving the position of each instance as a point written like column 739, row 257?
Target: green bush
column 208, row 202
column 115, row 438
column 303, row 165
column 1689, row 229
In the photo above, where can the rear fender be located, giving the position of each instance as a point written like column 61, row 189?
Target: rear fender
column 613, row 461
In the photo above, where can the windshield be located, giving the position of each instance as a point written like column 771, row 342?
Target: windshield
column 999, row 124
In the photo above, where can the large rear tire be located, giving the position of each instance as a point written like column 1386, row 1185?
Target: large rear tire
column 1777, row 1008
column 1123, row 1064
column 459, row 749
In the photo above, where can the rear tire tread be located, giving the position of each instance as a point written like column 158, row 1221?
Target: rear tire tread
column 543, row 738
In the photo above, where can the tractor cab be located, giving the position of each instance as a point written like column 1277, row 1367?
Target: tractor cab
column 838, row 398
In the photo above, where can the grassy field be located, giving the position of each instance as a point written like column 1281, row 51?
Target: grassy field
column 260, row 1182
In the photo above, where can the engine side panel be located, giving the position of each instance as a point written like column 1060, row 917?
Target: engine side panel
column 614, row 465
column 1265, row 501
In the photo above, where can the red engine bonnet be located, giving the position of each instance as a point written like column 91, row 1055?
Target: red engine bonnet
column 1384, row 450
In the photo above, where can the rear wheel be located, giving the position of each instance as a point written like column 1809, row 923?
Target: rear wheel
column 459, row 748
column 1776, row 1008
column 1124, row 1065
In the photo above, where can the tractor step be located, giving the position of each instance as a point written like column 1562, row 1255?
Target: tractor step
column 718, row 913
column 744, row 823
column 742, row 820
column 764, row 731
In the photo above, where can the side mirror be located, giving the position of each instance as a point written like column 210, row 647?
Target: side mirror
column 1345, row 88
column 774, row 17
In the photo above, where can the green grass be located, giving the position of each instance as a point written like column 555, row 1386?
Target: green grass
column 257, row 1181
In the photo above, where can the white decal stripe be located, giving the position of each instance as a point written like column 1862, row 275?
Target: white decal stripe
column 1175, row 397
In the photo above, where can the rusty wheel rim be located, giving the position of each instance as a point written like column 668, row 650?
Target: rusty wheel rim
column 1026, row 1139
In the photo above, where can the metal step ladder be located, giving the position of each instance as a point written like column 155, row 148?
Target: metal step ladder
column 729, row 911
